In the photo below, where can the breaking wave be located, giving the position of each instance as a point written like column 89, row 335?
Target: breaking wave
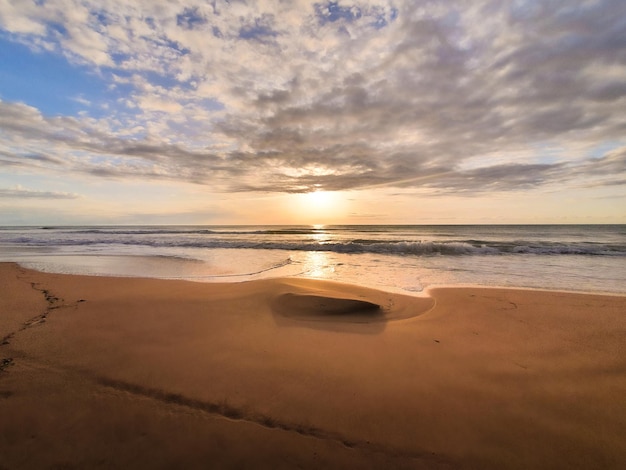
column 388, row 247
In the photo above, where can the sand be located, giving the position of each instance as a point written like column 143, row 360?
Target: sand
column 142, row 373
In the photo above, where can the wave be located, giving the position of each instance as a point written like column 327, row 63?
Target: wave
column 383, row 247
column 97, row 231
column 304, row 231
column 225, row 230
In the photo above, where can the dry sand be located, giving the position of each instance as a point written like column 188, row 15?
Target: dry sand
column 143, row 373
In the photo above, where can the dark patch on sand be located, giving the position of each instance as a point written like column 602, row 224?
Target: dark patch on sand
column 5, row 340
column 6, row 362
column 324, row 308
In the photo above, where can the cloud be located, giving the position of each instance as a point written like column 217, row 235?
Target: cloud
column 296, row 96
column 21, row 193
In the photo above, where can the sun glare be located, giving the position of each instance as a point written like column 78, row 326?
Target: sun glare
column 319, row 199
column 320, row 207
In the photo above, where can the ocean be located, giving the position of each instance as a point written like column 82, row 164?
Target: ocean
column 406, row 258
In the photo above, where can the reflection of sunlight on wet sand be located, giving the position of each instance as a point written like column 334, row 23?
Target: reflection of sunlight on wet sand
column 317, row 264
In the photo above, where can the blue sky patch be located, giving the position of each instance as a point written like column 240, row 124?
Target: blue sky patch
column 332, row 11
column 260, row 30
column 190, row 18
column 47, row 81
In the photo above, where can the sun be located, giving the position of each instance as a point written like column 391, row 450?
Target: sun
column 320, row 207
column 321, row 200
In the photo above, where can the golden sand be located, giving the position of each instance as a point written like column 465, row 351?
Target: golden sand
column 142, row 373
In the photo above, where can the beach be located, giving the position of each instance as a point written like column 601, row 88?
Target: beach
column 369, row 234
column 104, row 372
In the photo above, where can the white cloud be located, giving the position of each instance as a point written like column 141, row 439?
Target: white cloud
column 455, row 96
column 13, row 19
column 21, row 193
column 151, row 103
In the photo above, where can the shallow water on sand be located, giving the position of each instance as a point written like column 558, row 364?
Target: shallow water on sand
column 405, row 258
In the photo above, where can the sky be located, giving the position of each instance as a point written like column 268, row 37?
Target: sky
column 298, row 112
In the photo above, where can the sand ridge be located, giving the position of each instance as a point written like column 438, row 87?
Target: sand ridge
column 331, row 301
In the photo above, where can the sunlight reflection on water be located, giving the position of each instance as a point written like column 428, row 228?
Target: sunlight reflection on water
column 318, row 264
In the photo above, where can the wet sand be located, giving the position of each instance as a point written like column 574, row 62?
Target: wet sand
column 102, row 372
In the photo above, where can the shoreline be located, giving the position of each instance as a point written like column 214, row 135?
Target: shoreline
column 529, row 289
column 120, row 372
column 224, row 279
column 401, row 258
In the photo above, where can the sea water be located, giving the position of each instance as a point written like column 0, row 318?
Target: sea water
column 406, row 258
